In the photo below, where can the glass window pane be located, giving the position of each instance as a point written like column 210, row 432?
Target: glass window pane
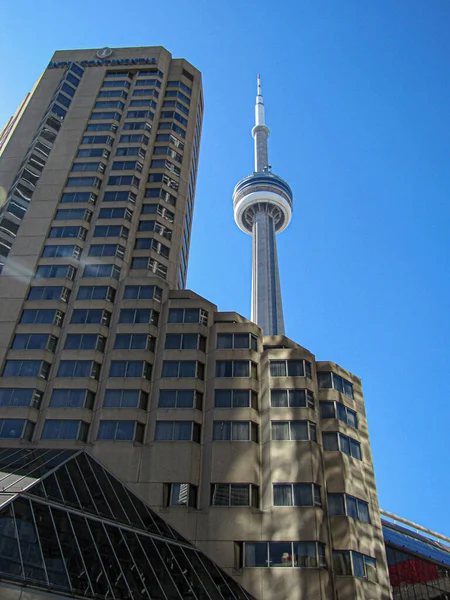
column 167, row 398
column 221, row 494
column 239, row 495
column 355, row 449
column 241, row 368
column 330, row 441
column 241, row 398
column 282, row 495
column 327, row 410
column 303, row 494
column 336, row 504
column 241, row 340
column 29, row 544
column 325, row 381
column 352, row 509
column 305, row 554
column 297, row 398
column 363, row 511
column 299, row 430
column 222, row 398
column 280, row 554
column 182, row 430
column 345, row 443
column 125, row 430
column 185, row 399
column 163, row 431
column 278, row 368
column 358, row 564
column 279, row 398
column 224, row 340
column 280, row 430
column 240, row 431
column 222, row 430
column 295, row 368
column 187, row 368
column 256, row 554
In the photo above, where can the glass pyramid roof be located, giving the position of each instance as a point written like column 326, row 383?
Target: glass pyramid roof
column 68, row 525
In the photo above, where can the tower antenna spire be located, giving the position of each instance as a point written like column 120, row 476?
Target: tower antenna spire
column 263, row 207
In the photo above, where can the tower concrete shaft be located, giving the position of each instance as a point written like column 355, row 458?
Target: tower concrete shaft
column 263, row 207
column 267, row 309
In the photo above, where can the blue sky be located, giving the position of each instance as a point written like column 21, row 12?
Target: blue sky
column 357, row 100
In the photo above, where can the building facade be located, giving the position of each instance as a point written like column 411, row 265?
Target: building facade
column 244, row 443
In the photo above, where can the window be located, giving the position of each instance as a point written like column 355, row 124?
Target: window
column 70, row 197
column 156, row 227
column 149, row 264
column 79, row 368
column 183, row 368
column 96, row 292
column 180, row 494
column 152, row 244
column 85, row 341
column 119, row 196
column 113, row 94
column 26, row 368
column 130, row 368
column 290, row 368
column 130, row 151
column 347, row 562
column 237, row 340
column 102, row 127
column 336, row 410
column 148, row 102
column 34, row 341
column 79, row 214
column 127, row 431
column 176, row 94
column 235, row 399
column 180, row 399
column 116, row 83
column 127, row 165
column 170, row 114
column 62, row 252
column 85, row 316
column 331, row 380
column 70, row 398
column 115, row 213
column 143, row 292
column 16, row 429
column 140, row 114
column 173, row 127
column 21, row 397
column 296, row 494
column 55, row 272
column 42, row 316
column 114, row 116
column 115, row 398
column 89, row 166
column 285, row 554
column 185, row 341
column 145, row 92
column 123, row 180
column 177, row 105
column 139, row 315
column 179, row 84
column 160, row 193
column 168, row 137
column 68, row 232
column 234, row 494
column 101, row 271
column 50, row 292
column 236, row 368
column 137, row 125
column 235, row 431
column 117, row 74
column 157, row 209
column 143, row 82
column 177, row 431
column 344, row 504
column 294, row 430
column 109, row 104
column 339, row 441
column 134, row 138
column 291, row 398
column 84, row 182
column 111, row 231
column 60, row 429
column 134, row 341
column 107, row 250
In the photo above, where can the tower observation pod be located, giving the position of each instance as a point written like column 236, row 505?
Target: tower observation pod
column 262, row 208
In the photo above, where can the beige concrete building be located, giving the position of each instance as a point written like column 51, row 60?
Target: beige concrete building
column 250, row 448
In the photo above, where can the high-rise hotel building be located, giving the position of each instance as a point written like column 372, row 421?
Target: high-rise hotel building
column 150, row 445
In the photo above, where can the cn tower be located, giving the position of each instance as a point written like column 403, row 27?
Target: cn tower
column 262, row 205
